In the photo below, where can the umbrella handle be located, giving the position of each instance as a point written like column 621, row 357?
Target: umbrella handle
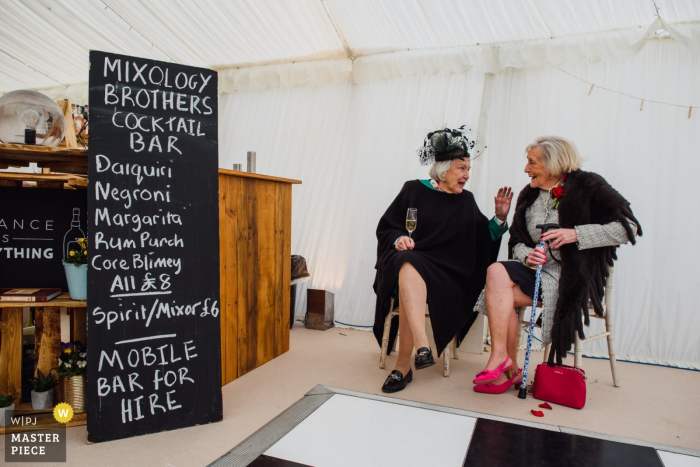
column 538, row 276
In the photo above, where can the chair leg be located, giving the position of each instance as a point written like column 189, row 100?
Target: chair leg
column 385, row 337
column 611, row 347
column 547, row 349
column 578, row 353
column 455, row 350
column 446, row 361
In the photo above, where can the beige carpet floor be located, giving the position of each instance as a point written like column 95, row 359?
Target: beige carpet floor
column 655, row 404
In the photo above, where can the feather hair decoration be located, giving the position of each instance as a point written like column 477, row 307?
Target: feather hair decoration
column 448, row 144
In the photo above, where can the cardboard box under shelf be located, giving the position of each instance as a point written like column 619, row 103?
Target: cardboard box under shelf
column 319, row 309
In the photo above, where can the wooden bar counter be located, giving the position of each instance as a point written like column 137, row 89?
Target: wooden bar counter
column 255, row 222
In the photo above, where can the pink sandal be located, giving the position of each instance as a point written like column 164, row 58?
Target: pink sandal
column 487, row 376
column 491, row 388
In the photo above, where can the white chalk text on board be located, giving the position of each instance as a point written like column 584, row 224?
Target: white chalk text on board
column 153, row 299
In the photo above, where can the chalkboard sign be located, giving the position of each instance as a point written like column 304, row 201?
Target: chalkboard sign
column 38, row 226
column 153, row 281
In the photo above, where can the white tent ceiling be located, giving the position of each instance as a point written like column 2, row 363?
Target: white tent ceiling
column 45, row 43
column 338, row 92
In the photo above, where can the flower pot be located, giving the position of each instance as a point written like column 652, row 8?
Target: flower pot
column 42, row 400
column 77, row 280
column 73, row 392
column 5, row 410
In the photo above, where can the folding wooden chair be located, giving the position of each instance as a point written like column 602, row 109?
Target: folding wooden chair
column 385, row 341
column 578, row 345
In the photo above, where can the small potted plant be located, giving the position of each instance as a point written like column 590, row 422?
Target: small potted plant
column 75, row 266
column 42, row 395
column 7, row 405
column 71, row 369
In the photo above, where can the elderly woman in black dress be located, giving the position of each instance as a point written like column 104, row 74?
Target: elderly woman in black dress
column 594, row 218
column 444, row 262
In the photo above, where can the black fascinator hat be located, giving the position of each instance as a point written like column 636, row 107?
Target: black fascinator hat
column 449, row 144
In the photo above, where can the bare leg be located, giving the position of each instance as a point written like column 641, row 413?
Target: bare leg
column 513, row 331
column 512, row 341
column 412, row 297
column 502, row 296
column 403, row 362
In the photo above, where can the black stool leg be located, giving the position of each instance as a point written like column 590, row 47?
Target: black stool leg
column 292, row 302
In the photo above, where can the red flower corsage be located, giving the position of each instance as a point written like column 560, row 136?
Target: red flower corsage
column 558, row 192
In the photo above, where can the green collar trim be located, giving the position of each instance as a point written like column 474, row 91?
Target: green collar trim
column 428, row 184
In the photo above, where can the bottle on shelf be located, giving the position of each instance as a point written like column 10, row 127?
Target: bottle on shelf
column 70, row 239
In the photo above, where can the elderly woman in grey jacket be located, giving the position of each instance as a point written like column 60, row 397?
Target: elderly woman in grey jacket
column 594, row 218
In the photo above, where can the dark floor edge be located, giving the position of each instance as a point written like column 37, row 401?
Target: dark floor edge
column 543, row 426
column 638, row 442
column 260, row 441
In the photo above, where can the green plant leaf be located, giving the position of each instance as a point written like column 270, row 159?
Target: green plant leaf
column 6, row 401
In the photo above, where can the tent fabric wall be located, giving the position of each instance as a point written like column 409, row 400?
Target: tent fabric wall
column 44, row 44
column 353, row 145
column 339, row 94
column 649, row 156
column 591, row 48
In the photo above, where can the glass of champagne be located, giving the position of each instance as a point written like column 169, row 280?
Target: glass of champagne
column 411, row 220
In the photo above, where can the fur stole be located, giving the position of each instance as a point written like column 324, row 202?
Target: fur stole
column 588, row 199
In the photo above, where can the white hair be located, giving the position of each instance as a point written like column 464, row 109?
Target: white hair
column 558, row 154
column 439, row 169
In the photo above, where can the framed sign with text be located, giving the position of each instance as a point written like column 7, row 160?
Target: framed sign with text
column 153, row 280
column 38, row 228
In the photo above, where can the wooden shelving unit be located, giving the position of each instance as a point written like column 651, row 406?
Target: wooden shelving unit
column 47, row 345
column 63, row 160
column 69, row 181
column 72, row 166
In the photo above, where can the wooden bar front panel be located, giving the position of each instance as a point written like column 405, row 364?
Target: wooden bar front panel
column 255, row 220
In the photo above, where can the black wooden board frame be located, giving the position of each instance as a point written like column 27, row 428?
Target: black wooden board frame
column 154, row 342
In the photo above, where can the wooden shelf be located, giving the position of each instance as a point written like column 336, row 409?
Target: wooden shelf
column 64, row 160
column 62, row 300
column 43, row 180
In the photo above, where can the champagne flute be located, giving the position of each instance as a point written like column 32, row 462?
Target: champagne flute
column 411, row 220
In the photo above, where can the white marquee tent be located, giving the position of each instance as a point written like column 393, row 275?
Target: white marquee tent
column 339, row 94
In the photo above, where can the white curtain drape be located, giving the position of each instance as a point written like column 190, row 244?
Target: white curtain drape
column 650, row 156
column 353, row 146
column 487, row 58
column 346, row 114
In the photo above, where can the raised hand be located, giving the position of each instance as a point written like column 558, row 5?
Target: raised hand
column 502, row 200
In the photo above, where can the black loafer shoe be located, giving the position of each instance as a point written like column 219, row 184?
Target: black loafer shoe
column 397, row 382
column 424, row 358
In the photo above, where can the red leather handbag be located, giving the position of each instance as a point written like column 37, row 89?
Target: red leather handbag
column 563, row 385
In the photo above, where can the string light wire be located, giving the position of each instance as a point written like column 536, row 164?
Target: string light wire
column 640, row 99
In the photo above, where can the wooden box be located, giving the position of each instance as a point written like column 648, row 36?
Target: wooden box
column 319, row 309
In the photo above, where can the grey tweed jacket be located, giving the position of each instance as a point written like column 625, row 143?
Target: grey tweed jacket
column 589, row 236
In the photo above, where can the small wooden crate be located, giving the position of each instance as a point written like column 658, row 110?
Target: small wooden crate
column 319, row 309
